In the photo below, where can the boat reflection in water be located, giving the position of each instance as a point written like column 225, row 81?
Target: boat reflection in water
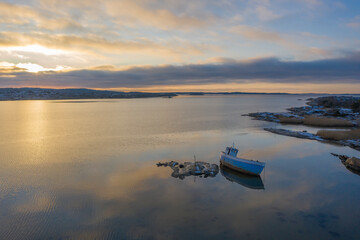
column 249, row 181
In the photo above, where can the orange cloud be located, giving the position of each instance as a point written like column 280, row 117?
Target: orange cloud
column 93, row 44
column 257, row 34
column 19, row 14
column 136, row 12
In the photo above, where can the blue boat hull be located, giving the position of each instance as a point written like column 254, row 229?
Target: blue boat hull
column 242, row 165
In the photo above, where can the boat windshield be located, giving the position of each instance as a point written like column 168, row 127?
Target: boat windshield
column 232, row 151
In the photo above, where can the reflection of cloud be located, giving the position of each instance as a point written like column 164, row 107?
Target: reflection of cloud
column 203, row 206
column 134, row 199
column 128, row 183
column 39, row 203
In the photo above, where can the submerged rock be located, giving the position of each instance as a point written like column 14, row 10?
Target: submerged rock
column 352, row 163
column 182, row 170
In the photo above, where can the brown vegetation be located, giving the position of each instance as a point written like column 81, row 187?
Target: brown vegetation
column 317, row 121
column 326, row 122
column 290, row 120
column 339, row 135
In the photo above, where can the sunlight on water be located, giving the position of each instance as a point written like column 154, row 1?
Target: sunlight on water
column 87, row 170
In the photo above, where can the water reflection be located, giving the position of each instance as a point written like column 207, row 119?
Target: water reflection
column 252, row 182
column 87, row 171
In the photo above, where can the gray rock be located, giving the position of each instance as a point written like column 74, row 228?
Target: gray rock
column 185, row 169
column 352, row 163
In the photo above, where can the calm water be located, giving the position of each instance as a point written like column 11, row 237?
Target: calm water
column 86, row 170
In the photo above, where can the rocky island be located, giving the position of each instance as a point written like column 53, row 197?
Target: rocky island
column 182, row 170
column 330, row 112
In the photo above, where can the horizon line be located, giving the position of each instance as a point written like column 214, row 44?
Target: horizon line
column 181, row 92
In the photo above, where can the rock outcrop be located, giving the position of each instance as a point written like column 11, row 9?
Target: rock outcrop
column 353, row 143
column 182, row 170
column 329, row 111
column 297, row 134
column 331, row 107
column 352, row 163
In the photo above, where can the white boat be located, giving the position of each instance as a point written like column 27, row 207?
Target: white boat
column 229, row 159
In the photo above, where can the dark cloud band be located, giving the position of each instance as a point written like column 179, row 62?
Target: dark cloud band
column 336, row 70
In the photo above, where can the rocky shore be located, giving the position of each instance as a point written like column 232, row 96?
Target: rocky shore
column 330, row 112
column 297, row 134
column 353, row 143
column 344, row 108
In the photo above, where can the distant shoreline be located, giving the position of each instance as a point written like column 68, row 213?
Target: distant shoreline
column 13, row 94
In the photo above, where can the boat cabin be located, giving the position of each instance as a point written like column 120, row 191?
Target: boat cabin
column 231, row 151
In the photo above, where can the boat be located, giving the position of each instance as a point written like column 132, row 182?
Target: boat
column 229, row 159
column 246, row 180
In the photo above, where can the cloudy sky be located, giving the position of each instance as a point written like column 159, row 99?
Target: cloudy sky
column 173, row 45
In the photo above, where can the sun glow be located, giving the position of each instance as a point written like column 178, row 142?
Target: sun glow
column 31, row 67
column 34, row 68
column 36, row 49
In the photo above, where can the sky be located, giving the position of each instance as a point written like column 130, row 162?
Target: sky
column 294, row 46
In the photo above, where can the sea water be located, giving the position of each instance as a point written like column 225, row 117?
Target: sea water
column 86, row 169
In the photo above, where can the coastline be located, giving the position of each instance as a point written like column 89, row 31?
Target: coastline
column 332, row 112
column 28, row 93
column 16, row 94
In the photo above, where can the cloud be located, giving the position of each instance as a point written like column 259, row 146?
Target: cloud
column 298, row 43
column 336, row 70
column 265, row 14
column 253, row 33
column 311, row 3
column 355, row 23
column 94, row 44
column 259, row 34
column 21, row 14
column 154, row 32
column 160, row 14
column 139, row 12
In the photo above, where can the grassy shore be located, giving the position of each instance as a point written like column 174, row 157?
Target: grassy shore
column 339, row 135
column 312, row 120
